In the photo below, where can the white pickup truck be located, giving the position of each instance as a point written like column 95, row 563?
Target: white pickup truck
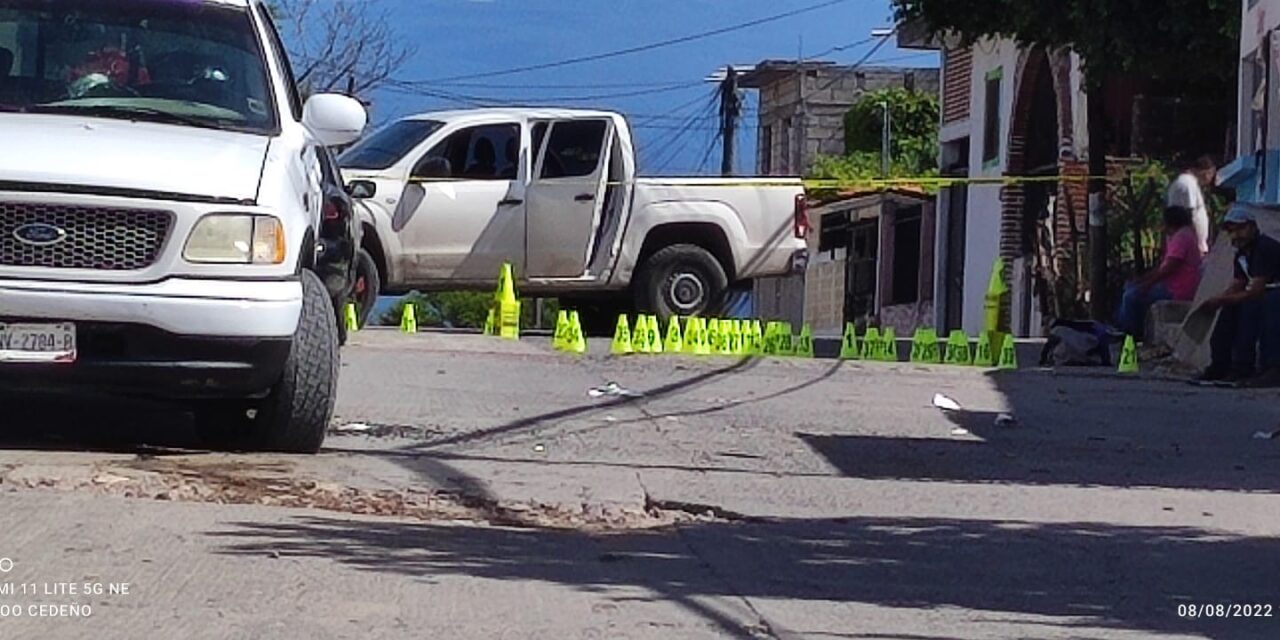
column 448, row 197
column 171, row 223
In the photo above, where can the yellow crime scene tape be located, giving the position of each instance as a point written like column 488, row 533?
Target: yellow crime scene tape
column 823, row 185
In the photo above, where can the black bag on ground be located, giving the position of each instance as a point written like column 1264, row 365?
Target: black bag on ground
column 1077, row 343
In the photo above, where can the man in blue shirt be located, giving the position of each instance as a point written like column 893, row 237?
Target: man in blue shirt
column 1250, row 308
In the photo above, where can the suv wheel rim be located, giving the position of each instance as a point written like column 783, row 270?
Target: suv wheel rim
column 686, row 292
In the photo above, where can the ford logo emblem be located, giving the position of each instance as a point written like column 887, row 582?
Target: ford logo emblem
column 39, row 234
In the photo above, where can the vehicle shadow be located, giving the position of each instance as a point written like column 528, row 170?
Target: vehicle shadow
column 94, row 423
column 1084, row 578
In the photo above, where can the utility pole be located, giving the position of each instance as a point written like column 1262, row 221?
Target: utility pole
column 730, row 109
column 886, row 142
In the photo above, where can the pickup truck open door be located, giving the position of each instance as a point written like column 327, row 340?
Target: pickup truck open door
column 566, row 196
column 462, row 213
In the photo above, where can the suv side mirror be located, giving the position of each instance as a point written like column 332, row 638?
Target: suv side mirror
column 362, row 189
column 434, row 167
column 334, row 119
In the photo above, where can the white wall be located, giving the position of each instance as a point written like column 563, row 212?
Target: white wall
column 982, row 237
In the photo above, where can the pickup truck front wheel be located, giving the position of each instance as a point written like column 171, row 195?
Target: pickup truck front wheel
column 681, row 280
column 365, row 290
column 295, row 415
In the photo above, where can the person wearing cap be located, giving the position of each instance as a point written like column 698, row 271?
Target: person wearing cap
column 1249, row 308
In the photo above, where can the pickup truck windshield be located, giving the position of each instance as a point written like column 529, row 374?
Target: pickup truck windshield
column 385, row 147
column 188, row 63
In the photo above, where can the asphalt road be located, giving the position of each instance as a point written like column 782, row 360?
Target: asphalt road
column 474, row 488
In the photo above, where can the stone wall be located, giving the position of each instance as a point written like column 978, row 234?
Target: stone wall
column 824, row 298
column 818, row 127
column 906, row 318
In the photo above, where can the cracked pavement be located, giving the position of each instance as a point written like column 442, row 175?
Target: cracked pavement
column 472, row 488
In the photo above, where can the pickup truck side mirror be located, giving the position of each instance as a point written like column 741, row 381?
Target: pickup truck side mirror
column 335, row 120
column 362, row 189
column 434, row 167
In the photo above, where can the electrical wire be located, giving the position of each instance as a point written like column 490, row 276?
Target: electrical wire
column 665, row 142
column 641, row 48
column 676, row 141
column 678, row 144
column 411, row 88
column 839, row 48
column 857, row 65
column 702, row 166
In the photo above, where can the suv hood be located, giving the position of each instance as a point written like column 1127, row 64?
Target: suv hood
column 128, row 155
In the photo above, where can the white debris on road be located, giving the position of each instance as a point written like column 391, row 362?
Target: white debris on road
column 613, row 390
column 946, row 404
column 354, row 427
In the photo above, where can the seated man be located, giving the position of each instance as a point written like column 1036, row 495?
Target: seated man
column 1250, row 308
column 1177, row 278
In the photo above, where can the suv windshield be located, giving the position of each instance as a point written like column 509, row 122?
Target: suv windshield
column 387, row 146
column 190, row 63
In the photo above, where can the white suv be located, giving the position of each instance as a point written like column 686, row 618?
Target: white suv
column 162, row 206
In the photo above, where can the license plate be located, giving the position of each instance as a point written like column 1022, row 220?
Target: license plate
column 40, row 343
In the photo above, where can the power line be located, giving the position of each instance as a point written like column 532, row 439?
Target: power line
column 641, row 118
column 669, row 127
column 410, row 88
column 641, row 48
column 901, row 58
column 676, row 142
column 593, row 86
column 671, row 137
column 679, row 143
column 839, row 48
column 702, row 166
column 857, row 65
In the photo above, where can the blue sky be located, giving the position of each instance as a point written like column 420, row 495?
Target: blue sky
column 460, row 37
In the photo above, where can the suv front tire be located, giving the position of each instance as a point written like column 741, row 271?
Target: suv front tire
column 295, row 415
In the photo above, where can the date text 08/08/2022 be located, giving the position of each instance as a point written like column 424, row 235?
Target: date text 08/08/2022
column 1225, row 611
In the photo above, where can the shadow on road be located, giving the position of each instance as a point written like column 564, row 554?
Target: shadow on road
column 1091, row 577
column 1090, row 432
column 93, row 423
column 532, row 422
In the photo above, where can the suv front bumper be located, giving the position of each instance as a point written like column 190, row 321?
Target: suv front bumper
column 178, row 338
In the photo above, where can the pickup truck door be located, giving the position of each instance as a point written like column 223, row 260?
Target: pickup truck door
column 566, row 194
column 462, row 213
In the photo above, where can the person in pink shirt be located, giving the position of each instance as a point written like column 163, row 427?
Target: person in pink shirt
column 1177, row 278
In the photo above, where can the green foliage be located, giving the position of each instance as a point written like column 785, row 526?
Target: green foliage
column 914, row 126
column 862, row 166
column 1137, row 217
column 1183, row 40
column 463, row 310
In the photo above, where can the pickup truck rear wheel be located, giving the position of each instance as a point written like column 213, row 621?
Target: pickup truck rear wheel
column 295, row 415
column 681, row 280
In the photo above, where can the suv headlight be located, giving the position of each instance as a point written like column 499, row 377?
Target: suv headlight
column 236, row 239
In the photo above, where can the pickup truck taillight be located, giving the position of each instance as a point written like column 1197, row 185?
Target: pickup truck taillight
column 802, row 217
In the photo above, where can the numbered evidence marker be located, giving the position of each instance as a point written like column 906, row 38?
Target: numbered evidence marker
column 1129, row 356
column 622, row 338
column 849, row 343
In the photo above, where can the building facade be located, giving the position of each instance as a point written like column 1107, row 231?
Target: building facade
column 1009, row 112
column 871, row 262
column 802, row 107
column 1254, row 174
